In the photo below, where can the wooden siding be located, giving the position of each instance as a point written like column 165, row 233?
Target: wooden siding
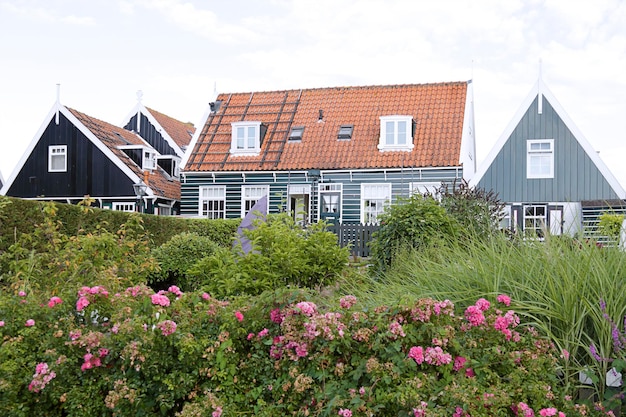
column 279, row 181
column 151, row 135
column 576, row 177
column 89, row 171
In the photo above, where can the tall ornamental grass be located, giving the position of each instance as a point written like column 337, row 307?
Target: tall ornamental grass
column 563, row 287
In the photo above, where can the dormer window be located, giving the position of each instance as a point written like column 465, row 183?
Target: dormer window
column 345, row 132
column 149, row 159
column 396, row 133
column 246, row 138
column 145, row 157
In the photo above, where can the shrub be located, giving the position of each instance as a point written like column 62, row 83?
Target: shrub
column 48, row 258
column 283, row 253
column 188, row 354
column 410, row 223
column 178, row 255
column 610, row 225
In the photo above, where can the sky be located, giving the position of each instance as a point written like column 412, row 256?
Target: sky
column 179, row 53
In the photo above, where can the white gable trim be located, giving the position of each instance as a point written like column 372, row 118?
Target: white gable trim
column 467, row 157
column 540, row 89
column 58, row 108
column 140, row 108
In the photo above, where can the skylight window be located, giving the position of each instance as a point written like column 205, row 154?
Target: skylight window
column 296, row 134
column 345, row 132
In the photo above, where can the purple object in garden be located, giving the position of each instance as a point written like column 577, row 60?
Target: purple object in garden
column 258, row 211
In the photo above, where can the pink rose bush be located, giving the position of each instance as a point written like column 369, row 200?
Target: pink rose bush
column 285, row 354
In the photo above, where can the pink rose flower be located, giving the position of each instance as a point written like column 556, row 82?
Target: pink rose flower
column 160, row 299
column 54, row 301
column 417, row 353
column 504, row 299
column 82, row 303
column 547, row 412
column 239, row 315
column 21, row 294
column 29, row 323
column 1, row 323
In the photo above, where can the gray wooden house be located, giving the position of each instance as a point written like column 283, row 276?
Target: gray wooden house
column 339, row 154
column 547, row 173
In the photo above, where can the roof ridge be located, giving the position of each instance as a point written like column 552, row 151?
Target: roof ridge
column 354, row 87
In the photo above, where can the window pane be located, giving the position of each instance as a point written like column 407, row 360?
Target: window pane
column 57, row 162
column 251, row 137
column 390, row 132
column 401, row 133
column 240, row 137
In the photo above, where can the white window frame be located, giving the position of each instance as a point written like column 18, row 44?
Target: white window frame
column 390, row 140
column 245, row 138
column 297, row 190
column 374, row 198
column 56, row 152
column 332, row 188
column 124, row 206
column 541, row 154
column 148, row 159
column 431, row 187
column 539, row 222
column 212, row 194
column 250, row 194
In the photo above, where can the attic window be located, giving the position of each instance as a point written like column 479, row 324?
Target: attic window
column 246, row 138
column 296, row 134
column 396, row 133
column 57, row 158
column 149, row 159
column 345, row 132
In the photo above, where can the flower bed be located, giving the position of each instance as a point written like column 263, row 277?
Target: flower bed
column 189, row 354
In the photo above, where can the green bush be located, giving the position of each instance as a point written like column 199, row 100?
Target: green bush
column 414, row 222
column 610, row 225
column 178, row 255
column 48, row 258
column 283, row 253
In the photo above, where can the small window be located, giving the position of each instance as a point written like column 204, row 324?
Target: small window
column 396, row 133
column 212, row 202
column 540, row 158
column 250, row 194
column 374, row 199
column 149, row 159
column 296, row 134
column 57, row 158
column 345, row 132
column 246, row 138
column 128, row 207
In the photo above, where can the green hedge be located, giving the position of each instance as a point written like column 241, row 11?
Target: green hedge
column 18, row 216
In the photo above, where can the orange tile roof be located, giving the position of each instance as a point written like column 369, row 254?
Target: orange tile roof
column 437, row 109
column 180, row 132
column 113, row 137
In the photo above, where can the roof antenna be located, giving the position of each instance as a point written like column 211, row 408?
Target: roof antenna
column 139, row 97
column 539, row 95
column 58, row 104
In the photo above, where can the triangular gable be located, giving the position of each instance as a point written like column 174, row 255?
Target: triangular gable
column 57, row 109
column 168, row 127
column 541, row 90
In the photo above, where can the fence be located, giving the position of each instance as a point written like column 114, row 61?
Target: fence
column 354, row 235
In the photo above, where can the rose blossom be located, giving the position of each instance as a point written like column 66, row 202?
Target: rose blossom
column 29, row 323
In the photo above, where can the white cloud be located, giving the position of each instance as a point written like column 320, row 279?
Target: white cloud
column 202, row 22
column 43, row 14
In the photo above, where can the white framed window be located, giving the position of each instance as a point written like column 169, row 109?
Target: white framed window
column 298, row 202
column 535, row 220
column 212, row 202
column 540, row 158
column 149, row 160
column 128, row 207
column 374, row 198
column 330, row 201
column 163, row 210
column 250, row 194
column 396, row 133
column 246, row 138
column 430, row 187
column 57, row 158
